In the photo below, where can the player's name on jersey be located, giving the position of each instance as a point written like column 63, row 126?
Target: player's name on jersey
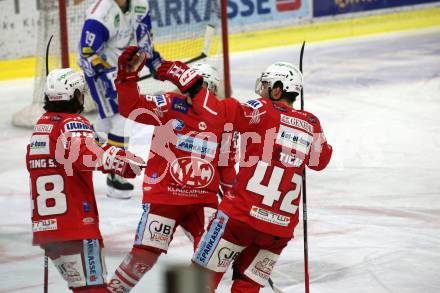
column 292, row 121
column 42, row 163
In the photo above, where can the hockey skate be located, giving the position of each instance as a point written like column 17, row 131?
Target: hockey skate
column 118, row 187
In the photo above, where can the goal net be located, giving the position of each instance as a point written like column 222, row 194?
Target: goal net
column 182, row 30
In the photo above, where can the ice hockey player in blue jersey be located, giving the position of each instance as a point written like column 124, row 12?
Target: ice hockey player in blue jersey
column 111, row 26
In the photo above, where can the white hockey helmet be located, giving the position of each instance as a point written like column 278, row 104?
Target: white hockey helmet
column 210, row 75
column 62, row 83
column 285, row 72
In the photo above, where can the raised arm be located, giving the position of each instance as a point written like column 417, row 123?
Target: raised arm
column 149, row 110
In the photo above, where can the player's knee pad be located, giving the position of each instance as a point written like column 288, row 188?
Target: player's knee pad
column 132, row 269
column 154, row 231
column 85, row 268
column 261, row 267
column 214, row 252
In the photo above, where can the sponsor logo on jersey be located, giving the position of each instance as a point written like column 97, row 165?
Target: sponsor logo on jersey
column 42, row 163
column 211, row 239
column 269, row 216
column 140, row 9
column 192, row 172
column 291, row 160
column 179, row 105
column 88, row 221
column 178, row 191
column 160, row 101
column 279, row 108
column 56, row 118
column 44, row 225
column 77, row 126
column 72, row 270
column 294, row 139
column 255, row 104
column 178, row 124
column 226, row 256
column 43, row 128
column 295, row 122
column 196, row 145
column 93, row 262
column 262, row 266
column 39, row 145
column 160, row 230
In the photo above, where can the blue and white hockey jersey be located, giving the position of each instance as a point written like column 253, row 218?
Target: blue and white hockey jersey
column 107, row 31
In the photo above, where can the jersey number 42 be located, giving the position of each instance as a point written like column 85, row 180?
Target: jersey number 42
column 271, row 193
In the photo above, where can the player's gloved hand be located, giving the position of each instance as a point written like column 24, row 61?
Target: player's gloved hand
column 121, row 162
column 179, row 74
column 154, row 63
column 130, row 63
column 106, row 78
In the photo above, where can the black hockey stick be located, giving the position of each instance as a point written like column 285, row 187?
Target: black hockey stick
column 47, row 55
column 46, row 274
column 46, row 260
column 209, row 34
column 304, row 191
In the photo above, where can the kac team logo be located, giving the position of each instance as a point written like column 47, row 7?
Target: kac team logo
column 192, row 171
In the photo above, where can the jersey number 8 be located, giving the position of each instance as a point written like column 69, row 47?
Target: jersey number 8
column 54, row 193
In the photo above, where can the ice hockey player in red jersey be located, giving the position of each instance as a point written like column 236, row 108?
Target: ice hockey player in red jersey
column 60, row 158
column 256, row 221
column 184, row 168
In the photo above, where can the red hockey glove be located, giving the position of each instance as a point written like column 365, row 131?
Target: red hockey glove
column 179, row 74
column 130, row 63
column 122, row 162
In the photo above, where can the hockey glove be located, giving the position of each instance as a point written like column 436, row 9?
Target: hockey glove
column 122, row 162
column 130, row 63
column 186, row 79
column 154, row 62
column 106, row 79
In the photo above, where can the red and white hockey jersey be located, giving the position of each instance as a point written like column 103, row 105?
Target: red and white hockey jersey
column 60, row 158
column 277, row 142
column 185, row 163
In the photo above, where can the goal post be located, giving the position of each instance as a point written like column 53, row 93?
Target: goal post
column 179, row 33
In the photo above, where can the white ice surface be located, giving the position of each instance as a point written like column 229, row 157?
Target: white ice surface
column 374, row 214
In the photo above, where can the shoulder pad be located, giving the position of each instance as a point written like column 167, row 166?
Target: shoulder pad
column 106, row 12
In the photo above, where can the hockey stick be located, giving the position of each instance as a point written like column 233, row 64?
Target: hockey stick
column 46, row 274
column 304, row 190
column 209, row 34
column 46, row 260
column 47, row 55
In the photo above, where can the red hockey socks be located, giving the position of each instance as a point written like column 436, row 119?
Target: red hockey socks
column 130, row 271
column 244, row 286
